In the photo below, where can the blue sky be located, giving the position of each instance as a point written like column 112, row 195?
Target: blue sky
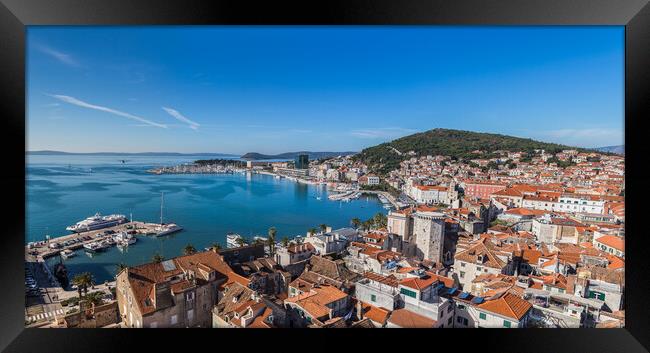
column 279, row 89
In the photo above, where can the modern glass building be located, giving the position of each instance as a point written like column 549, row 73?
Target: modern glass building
column 302, row 161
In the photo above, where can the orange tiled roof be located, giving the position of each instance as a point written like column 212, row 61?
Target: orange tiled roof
column 376, row 314
column 408, row 319
column 612, row 241
column 508, row 305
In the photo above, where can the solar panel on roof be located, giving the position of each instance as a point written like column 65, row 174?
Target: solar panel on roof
column 169, row 265
column 452, row 290
column 477, row 300
column 463, row 295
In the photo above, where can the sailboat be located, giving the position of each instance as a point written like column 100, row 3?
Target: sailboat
column 165, row 229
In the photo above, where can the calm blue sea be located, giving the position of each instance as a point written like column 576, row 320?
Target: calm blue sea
column 64, row 189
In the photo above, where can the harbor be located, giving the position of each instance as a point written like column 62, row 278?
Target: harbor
column 66, row 245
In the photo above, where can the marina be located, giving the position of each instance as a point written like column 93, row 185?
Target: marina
column 61, row 192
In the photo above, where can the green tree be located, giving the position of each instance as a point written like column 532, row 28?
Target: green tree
column 379, row 220
column 83, row 281
column 241, row 241
column 216, row 246
column 272, row 234
column 323, row 228
column 157, row 258
column 312, row 230
column 356, row 222
column 95, row 298
column 189, row 249
column 285, row 241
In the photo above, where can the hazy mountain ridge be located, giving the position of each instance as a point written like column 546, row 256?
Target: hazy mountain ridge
column 620, row 149
column 51, row 153
column 292, row 155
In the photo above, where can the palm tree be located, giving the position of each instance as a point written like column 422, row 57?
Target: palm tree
column 241, row 241
column 78, row 281
column 157, row 258
column 285, row 241
column 356, row 222
column 323, row 228
column 379, row 220
column 83, row 281
column 216, row 246
column 189, row 249
column 366, row 225
column 272, row 233
column 89, row 281
column 311, row 231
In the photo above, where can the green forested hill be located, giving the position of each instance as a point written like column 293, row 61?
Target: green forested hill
column 454, row 143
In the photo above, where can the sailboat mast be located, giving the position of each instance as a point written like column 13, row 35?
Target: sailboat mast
column 162, row 198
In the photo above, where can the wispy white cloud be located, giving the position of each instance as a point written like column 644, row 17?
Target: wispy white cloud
column 59, row 55
column 77, row 102
column 180, row 117
column 384, row 132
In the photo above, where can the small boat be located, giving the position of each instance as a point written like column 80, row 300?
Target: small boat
column 124, row 239
column 93, row 247
column 67, row 253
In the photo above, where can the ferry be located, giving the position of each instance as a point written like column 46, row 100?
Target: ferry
column 97, row 222
column 231, row 240
column 68, row 253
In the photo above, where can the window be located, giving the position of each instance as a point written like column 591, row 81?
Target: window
column 462, row 274
column 461, row 307
column 373, row 297
column 174, row 319
column 482, row 316
column 506, row 323
column 408, row 293
column 190, row 315
column 449, row 308
column 462, row 264
column 449, row 322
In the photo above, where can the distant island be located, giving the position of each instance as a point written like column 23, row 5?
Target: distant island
column 48, row 153
column 292, row 155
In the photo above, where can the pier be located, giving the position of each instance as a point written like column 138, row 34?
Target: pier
column 42, row 250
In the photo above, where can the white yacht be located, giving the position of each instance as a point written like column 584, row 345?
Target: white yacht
column 94, row 246
column 97, row 222
column 67, row 253
column 168, row 228
column 164, row 229
column 124, row 239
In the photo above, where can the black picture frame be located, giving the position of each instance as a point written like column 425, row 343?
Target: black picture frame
column 16, row 14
